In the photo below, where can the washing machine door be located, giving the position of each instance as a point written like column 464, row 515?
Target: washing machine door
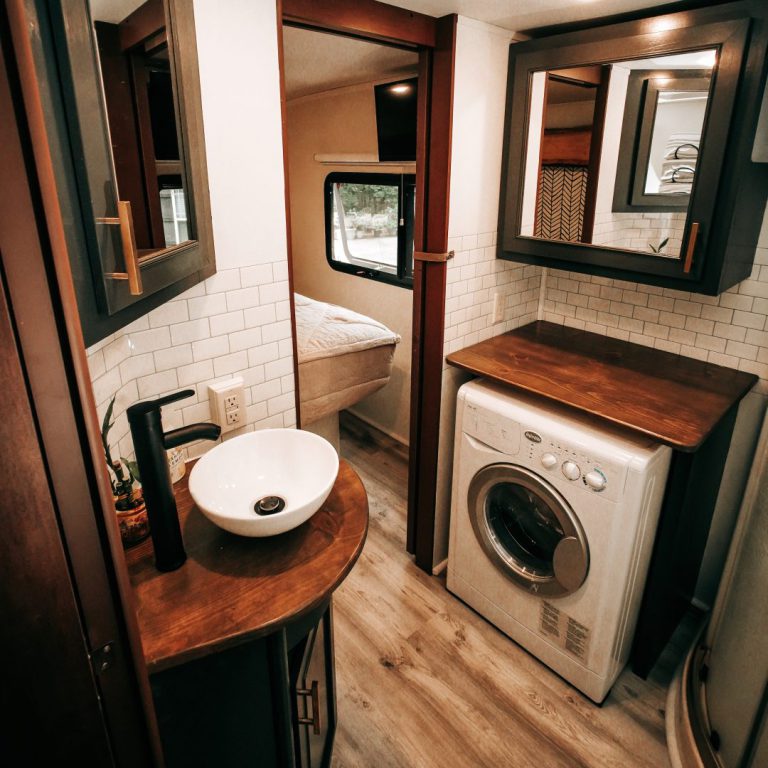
column 528, row 530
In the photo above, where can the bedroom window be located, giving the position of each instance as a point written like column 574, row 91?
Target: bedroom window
column 369, row 225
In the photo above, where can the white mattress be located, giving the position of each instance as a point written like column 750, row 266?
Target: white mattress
column 326, row 330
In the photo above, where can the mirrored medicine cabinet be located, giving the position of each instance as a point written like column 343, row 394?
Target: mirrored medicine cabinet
column 628, row 149
column 120, row 85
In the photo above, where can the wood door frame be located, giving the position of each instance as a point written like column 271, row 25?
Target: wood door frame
column 79, row 518
column 435, row 41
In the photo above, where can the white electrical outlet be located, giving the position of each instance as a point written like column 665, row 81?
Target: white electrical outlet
column 227, row 400
column 497, row 313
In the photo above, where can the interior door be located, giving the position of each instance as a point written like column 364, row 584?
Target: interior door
column 72, row 688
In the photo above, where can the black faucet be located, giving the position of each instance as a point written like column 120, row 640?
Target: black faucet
column 150, row 444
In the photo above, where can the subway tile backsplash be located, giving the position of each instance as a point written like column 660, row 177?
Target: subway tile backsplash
column 730, row 329
column 234, row 324
column 474, row 276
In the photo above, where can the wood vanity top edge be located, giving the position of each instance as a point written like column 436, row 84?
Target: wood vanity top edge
column 671, row 398
column 234, row 589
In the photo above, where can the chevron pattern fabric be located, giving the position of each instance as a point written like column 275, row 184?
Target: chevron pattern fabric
column 561, row 201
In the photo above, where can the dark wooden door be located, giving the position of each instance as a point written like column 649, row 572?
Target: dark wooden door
column 73, row 691
column 49, row 692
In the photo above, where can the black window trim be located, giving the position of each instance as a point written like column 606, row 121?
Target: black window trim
column 406, row 184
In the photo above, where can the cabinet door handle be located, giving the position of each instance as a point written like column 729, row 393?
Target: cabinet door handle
column 124, row 220
column 692, row 236
column 314, row 694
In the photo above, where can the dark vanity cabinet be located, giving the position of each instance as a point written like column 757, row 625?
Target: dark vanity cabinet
column 660, row 183
column 268, row 702
column 121, row 93
column 239, row 641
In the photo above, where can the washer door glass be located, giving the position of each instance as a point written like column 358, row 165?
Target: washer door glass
column 528, row 530
column 525, row 526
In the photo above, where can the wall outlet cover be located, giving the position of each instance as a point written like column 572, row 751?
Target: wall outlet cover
column 227, row 400
column 498, row 308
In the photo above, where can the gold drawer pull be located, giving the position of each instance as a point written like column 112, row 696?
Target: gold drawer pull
column 132, row 272
column 314, row 721
column 694, row 233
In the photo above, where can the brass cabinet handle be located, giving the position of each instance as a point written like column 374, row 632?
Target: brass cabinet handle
column 694, row 233
column 132, row 272
column 314, row 693
column 427, row 256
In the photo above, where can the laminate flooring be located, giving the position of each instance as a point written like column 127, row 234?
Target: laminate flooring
column 424, row 681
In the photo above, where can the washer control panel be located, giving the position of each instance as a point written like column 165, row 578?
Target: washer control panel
column 589, row 473
column 544, row 454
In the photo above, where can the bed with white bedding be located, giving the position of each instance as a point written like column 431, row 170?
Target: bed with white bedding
column 343, row 357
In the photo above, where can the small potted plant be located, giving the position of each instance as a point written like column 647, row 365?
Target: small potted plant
column 129, row 502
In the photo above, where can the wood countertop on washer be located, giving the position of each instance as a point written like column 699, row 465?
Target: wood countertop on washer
column 233, row 589
column 674, row 399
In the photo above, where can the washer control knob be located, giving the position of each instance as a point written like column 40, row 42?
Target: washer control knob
column 571, row 470
column 596, row 480
column 549, row 460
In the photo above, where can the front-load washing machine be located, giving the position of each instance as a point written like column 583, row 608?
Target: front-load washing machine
column 552, row 525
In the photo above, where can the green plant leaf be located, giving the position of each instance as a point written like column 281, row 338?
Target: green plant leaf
column 133, row 468
column 107, row 423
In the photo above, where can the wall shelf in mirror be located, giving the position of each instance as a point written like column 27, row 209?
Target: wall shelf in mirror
column 628, row 149
column 120, row 88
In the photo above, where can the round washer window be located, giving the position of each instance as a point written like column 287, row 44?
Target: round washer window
column 525, row 526
column 528, row 530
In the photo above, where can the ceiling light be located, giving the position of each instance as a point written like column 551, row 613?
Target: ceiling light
column 400, row 88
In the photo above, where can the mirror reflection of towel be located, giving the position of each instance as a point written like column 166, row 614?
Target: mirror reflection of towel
column 679, row 166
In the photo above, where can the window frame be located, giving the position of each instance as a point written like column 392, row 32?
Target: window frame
column 406, row 184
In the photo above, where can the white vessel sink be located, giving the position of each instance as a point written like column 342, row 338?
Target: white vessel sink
column 266, row 482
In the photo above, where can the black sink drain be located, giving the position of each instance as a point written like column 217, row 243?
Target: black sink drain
column 269, row 505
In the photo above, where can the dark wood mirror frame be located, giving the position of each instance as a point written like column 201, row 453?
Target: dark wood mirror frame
column 637, row 135
column 107, row 305
column 729, row 194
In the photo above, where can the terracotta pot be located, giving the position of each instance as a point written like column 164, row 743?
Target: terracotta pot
column 134, row 523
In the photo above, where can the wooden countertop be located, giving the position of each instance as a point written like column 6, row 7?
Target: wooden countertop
column 674, row 399
column 233, row 589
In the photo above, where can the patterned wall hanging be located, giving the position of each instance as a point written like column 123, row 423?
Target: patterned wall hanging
column 560, row 203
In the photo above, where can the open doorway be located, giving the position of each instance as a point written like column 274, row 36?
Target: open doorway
column 432, row 42
column 350, row 128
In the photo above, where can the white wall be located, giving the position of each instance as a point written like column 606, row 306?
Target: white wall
column 475, row 274
column 236, row 322
column 343, row 121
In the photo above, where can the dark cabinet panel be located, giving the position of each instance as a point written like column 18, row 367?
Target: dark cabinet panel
column 270, row 702
column 314, row 697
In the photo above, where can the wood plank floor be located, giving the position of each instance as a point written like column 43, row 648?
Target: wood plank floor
column 424, row 681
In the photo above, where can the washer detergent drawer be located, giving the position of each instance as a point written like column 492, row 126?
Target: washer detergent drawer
column 494, row 430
